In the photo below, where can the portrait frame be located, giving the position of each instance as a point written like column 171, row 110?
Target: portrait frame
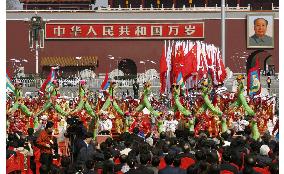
column 269, row 32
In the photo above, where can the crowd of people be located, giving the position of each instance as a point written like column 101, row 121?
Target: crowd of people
column 231, row 152
column 54, row 135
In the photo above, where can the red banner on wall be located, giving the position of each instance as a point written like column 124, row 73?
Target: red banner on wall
column 124, row 30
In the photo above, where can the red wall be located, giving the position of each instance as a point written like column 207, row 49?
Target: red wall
column 18, row 46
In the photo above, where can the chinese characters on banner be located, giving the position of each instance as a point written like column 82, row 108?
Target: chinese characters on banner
column 124, row 30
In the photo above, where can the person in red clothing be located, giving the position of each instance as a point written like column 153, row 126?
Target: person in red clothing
column 45, row 144
column 141, row 124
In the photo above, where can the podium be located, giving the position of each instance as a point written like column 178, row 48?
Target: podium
column 102, row 138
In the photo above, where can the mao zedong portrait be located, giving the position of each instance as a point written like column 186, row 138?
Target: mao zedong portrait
column 260, row 38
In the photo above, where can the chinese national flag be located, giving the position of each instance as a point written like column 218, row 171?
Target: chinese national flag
column 163, row 71
column 190, row 63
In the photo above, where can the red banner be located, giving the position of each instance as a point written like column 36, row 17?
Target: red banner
column 124, row 30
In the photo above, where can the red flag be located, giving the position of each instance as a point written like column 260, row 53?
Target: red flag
column 209, row 60
column 216, row 66
column 210, row 66
column 190, row 62
column 163, row 70
column 220, row 68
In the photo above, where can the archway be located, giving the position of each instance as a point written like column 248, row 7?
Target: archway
column 128, row 67
column 264, row 59
column 268, row 67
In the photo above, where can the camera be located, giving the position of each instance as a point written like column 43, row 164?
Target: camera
column 73, row 123
column 75, row 127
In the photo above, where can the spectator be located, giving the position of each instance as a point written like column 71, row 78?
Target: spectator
column 131, row 162
column 65, row 164
column 177, row 169
column 263, row 159
column 122, row 160
column 169, row 158
column 87, row 151
column 143, row 169
column 155, row 163
column 108, row 168
column 225, row 165
column 90, row 167
column 44, row 169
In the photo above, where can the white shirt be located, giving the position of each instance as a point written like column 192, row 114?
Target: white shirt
column 240, row 125
column 162, row 127
column 125, row 151
column 170, row 125
column 105, row 125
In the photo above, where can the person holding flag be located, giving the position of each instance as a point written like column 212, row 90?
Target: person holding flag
column 19, row 101
column 144, row 102
column 9, row 85
column 176, row 93
column 110, row 98
column 50, row 78
column 180, row 82
column 51, row 94
column 83, row 98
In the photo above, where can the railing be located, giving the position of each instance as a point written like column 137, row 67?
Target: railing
column 96, row 82
column 274, row 8
column 162, row 9
column 92, row 83
column 69, row 87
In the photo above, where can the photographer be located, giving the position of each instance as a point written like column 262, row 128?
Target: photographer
column 75, row 132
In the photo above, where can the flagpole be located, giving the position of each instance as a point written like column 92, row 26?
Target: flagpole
column 223, row 30
column 36, row 56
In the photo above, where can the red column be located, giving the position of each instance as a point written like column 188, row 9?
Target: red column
column 110, row 3
column 175, row 2
column 143, row 3
column 239, row 2
column 206, row 2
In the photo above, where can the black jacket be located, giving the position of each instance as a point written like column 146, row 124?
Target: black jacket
column 167, row 170
column 86, row 153
column 227, row 166
column 263, row 161
column 144, row 170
